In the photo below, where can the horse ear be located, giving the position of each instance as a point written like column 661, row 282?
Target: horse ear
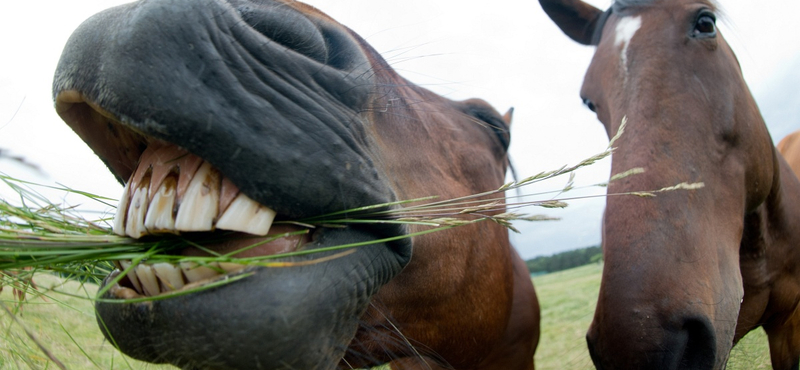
column 508, row 116
column 577, row 19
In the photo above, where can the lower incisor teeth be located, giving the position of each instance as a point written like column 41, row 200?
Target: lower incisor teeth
column 170, row 276
column 194, row 272
column 231, row 267
column 131, row 275
column 162, row 277
column 148, row 280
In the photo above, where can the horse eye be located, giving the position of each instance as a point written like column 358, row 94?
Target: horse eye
column 705, row 26
column 588, row 103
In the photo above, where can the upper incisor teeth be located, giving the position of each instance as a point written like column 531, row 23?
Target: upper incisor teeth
column 122, row 210
column 134, row 226
column 200, row 204
column 247, row 216
column 159, row 215
column 196, row 208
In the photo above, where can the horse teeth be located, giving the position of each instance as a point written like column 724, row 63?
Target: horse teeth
column 125, row 293
column 131, row 275
column 188, row 166
column 195, row 272
column 122, row 210
column 247, row 216
column 159, row 214
column 200, row 204
column 154, row 279
column 148, row 279
column 169, row 275
column 231, row 267
column 134, row 225
column 203, row 199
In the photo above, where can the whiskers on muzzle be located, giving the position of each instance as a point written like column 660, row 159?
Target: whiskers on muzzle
column 380, row 341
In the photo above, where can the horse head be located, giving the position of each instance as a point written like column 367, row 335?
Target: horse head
column 680, row 267
column 223, row 117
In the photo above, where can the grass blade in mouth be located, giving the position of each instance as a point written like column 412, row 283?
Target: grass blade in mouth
column 41, row 234
column 37, row 233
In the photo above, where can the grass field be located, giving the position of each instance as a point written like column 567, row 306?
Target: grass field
column 568, row 298
column 65, row 325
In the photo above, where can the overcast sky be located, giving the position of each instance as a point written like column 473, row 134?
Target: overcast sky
column 508, row 53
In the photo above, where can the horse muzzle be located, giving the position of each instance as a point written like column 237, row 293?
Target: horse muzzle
column 643, row 342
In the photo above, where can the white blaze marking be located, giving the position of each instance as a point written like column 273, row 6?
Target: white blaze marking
column 626, row 28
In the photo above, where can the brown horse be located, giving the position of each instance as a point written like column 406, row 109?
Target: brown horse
column 789, row 147
column 688, row 273
column 225, row 114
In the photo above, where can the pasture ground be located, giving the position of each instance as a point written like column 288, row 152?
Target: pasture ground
column 568, row 299
column 66, row 326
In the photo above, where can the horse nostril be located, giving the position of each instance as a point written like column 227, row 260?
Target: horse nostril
column 700, row 348
column 285, row 26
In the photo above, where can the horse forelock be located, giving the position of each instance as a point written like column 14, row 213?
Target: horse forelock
column 620, row 6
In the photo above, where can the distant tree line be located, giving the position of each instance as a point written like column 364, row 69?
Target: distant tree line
column 565, row 260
